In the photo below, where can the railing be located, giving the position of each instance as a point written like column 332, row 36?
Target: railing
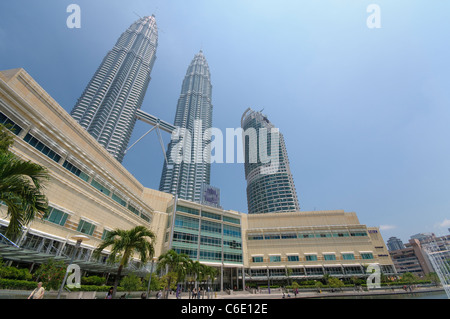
column 7, row 241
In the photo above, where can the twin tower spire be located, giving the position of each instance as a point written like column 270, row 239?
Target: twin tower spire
column 108, row 106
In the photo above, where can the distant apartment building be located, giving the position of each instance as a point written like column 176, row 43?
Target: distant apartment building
column 395, row 243
column 413, row 256
column 411, row 259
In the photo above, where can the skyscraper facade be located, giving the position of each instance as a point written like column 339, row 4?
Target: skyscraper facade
column 270, row 185
column 107, row 108
column 188, row 153
column 394, row 243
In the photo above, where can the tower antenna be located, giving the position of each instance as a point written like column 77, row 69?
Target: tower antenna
column 137, row 15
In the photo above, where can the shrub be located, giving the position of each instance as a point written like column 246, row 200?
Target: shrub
column 17, row 284
column 15, row 273
column 93, row 280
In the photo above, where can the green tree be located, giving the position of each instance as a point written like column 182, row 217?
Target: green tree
column 433, row 277
column 334, row 282
column 408, row 277
column 155, row 283
column 124, row 244
column 176, row 263
column 21, row 187
column 131, row 283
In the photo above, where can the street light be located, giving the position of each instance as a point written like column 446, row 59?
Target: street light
column 79, row 239
column 150, row 278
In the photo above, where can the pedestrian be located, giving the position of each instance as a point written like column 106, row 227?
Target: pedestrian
column 143, row 295
column 109, row 294
column 194, row 293
column 37, row 293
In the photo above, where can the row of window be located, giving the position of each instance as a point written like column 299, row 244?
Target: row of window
column 301, row 235
column 209, row 255
column 311, row 257
column 186, row 222
column 205, row 240
column 59, row 217
column 208, row 214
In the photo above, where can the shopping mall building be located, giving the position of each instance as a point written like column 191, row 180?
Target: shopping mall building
column 91, row 193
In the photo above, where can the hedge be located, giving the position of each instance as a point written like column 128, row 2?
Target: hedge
column 17, row 284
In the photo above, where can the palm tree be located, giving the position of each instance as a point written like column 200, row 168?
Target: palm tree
column 125, row 243
column 174, row 262
column 21, row 187
column 210, row 273
column 196, row 269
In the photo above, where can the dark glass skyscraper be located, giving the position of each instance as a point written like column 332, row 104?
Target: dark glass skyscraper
column 187, row 174
column 270, row 186
column 107, row 108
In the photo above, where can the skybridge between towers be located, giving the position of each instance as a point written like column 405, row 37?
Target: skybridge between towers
column 157, row 124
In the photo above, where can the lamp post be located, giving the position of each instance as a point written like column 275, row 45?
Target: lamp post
column 150, row 278
column 79, row 239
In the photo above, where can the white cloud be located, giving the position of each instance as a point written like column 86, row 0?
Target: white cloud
column 387, row 227
column 444, row 223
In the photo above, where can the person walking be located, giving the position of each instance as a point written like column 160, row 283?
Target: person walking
column 110, row 293
column 37, row 293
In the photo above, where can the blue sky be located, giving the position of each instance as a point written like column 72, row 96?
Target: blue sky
column 365, row 112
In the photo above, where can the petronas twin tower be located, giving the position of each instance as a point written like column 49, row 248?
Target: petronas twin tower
column 110, row 105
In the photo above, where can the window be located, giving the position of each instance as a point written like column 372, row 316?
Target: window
column 9, row 124
column 120, row 200
column 348, row 256
column 255, row 237
column 366, row 255
column 275, row 259
column 232, row 257
column 186, row 222
column 56, row 216
column 105, row 233
column 231, row 220
column 340, row 234
column 358, row 234
column 311, row 257
column 42, row 147
column 86, row 227
column 293, row 258
column 211, row 215
column 329, row 257
column 231, row 231
column 272, row 236
column 211, row 227
column 100, row 187
column 210, row 241
column 185, row 238
column 146, row 218
column 288, row 235
column 188, row 210
column 133, row 209
column 257, row 259
column 75, row 170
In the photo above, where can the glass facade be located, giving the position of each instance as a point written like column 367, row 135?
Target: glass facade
column 207, row 236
